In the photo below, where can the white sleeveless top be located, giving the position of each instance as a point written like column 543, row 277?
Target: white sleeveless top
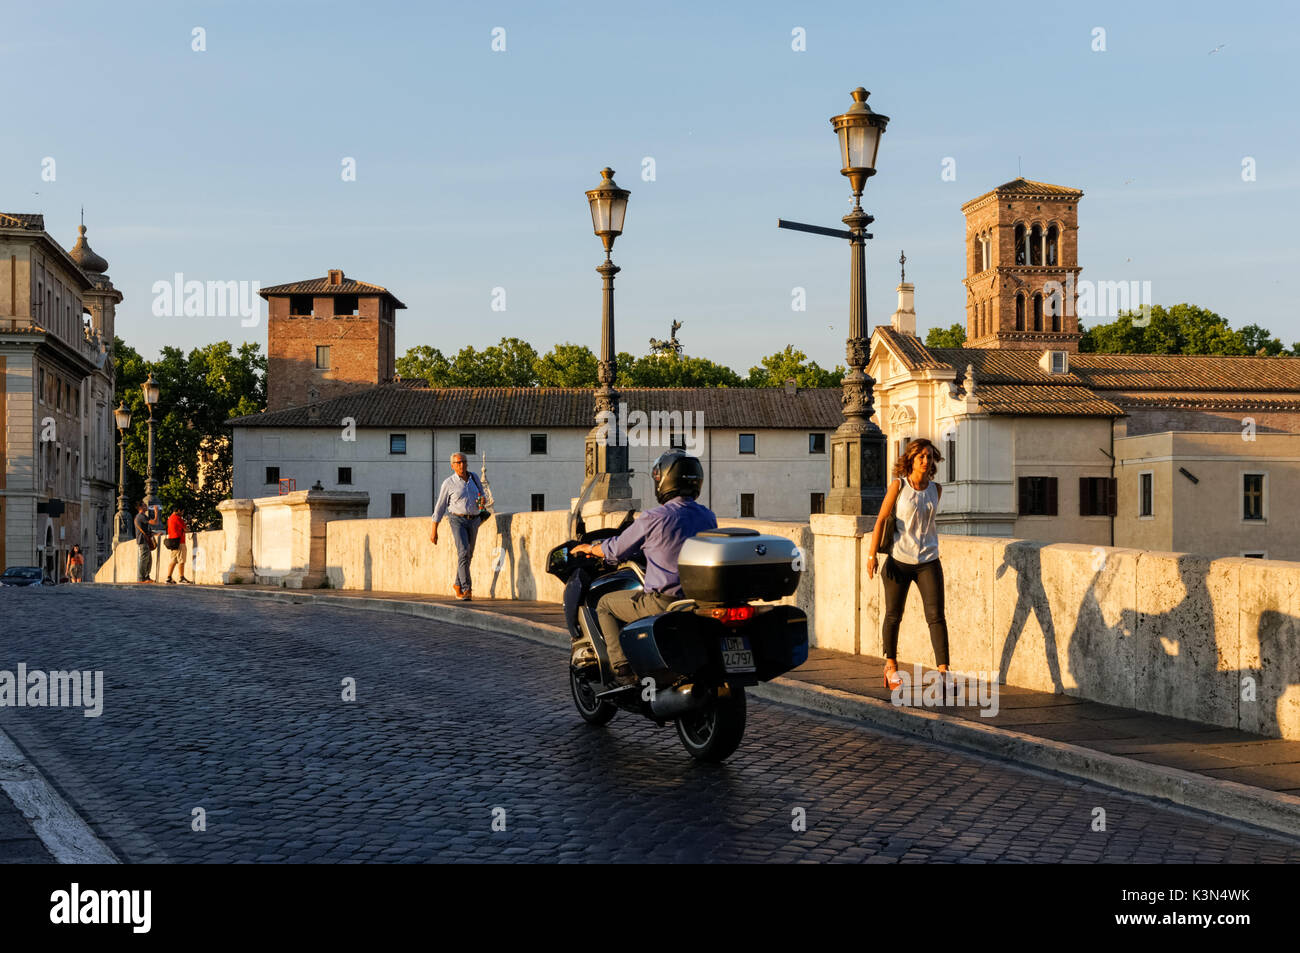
column 916, row 538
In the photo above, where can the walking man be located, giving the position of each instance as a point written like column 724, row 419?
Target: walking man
column 175, row 542
column 144, row 544
column 461, row 500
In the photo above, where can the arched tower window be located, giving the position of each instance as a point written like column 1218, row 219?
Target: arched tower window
column 1038, row 312
column 1036, row 245
column 1052, row 254
column 1054, row 309
column 1022, row 250
column 1020, row 312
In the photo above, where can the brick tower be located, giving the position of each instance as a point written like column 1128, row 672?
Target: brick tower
column 326, row 337
column 1019, row 238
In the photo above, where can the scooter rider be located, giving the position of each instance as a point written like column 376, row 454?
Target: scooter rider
column 658, row 534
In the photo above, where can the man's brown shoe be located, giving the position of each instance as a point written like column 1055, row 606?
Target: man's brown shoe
column 455, row 587
column 465, row 595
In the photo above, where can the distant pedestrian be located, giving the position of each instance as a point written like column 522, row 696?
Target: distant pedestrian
column 913, row 500
column 144, row 543
column 76, row 564
column 462, row 501
column 175, row 542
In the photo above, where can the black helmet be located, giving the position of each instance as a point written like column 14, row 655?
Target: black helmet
column 676, row 474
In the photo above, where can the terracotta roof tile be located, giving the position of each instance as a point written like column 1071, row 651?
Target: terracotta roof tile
column 403, row 405
column 909, row 348
column 322, row 286
column 1045, row 399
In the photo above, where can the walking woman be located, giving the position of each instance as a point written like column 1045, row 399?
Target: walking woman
column 913, row 498
column 76, row 564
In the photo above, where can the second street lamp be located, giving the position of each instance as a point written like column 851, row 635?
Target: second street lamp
column 858, row 445
column 606, row 474
column 151, row 393
column 122, row 417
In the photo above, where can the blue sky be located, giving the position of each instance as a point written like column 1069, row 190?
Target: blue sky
column 471, row 164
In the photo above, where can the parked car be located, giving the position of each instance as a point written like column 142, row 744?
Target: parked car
column 25, row 576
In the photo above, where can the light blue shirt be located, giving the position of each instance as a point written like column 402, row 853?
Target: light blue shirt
column 457, row 497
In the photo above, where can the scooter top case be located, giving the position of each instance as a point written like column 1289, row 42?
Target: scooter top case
column 731, row 566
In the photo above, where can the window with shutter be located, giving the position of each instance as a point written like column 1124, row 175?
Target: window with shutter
column 1085, row 496
column 1051, row 496
column 1023, row 502
column 1112, row 496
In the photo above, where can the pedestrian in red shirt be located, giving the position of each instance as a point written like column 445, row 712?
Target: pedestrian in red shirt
column 175, row 542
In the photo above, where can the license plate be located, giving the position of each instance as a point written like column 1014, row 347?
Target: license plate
column 737, row 655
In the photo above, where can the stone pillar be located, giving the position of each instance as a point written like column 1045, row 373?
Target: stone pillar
column 237, row 524
column 847, row 608
column 289, row 535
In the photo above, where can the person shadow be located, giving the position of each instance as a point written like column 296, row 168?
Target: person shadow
column 1024, row 557
column 1175, row 677
column 503, row 551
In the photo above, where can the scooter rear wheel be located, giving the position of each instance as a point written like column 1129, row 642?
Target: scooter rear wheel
column 594, row 711
column 715, row 734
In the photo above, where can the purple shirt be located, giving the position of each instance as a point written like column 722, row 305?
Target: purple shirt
column 659, row 534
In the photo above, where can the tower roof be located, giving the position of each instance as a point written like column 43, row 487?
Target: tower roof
column 85, row 257
column 1026, row 187
column 334, row 283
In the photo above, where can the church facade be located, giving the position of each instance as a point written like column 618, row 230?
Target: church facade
column 1183, row 453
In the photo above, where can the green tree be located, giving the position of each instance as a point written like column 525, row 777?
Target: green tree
column 567, row 365
column 198, row 392
column 775, row 369
column 674, row 370
column 1258, row 340
column 424, row 363
column 1179, row 329
column 955, row 336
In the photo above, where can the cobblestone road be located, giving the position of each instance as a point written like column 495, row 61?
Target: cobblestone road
column 234, row 706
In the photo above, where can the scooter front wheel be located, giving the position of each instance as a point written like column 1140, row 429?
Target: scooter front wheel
column 714, row 734
column 594, row 711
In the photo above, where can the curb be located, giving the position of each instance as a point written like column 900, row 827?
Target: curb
column 64, row 833
column 1227, row 799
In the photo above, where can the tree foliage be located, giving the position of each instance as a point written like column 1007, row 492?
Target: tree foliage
column 954, row 336
column 775, row 369
column 1179, row 329
column 198, row 392
column 515, row 363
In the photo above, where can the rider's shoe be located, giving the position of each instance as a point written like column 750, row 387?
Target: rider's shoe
column 623, row 674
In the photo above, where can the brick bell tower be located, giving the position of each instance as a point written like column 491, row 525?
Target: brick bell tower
column 326, row 337
column 1022, row 251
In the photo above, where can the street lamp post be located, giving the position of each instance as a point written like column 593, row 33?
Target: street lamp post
column 858, row 445
column 607, row 476
column 151, row 389
column 122, row 417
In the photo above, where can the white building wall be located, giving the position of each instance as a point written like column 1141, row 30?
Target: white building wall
column 782, row 474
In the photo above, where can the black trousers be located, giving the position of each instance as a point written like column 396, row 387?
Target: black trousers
column 897, row 577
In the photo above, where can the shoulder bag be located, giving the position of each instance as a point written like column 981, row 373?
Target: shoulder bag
column 887, row 535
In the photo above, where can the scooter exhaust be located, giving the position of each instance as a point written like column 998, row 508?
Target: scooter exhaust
column 682, row 700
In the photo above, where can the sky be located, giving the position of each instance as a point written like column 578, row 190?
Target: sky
column 226, row 163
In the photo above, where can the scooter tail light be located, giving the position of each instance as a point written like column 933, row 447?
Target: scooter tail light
column 733, row 615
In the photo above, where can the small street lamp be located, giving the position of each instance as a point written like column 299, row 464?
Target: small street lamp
column 607, row 475
column 122, row 417
column 858, row 445
column 151, row 392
